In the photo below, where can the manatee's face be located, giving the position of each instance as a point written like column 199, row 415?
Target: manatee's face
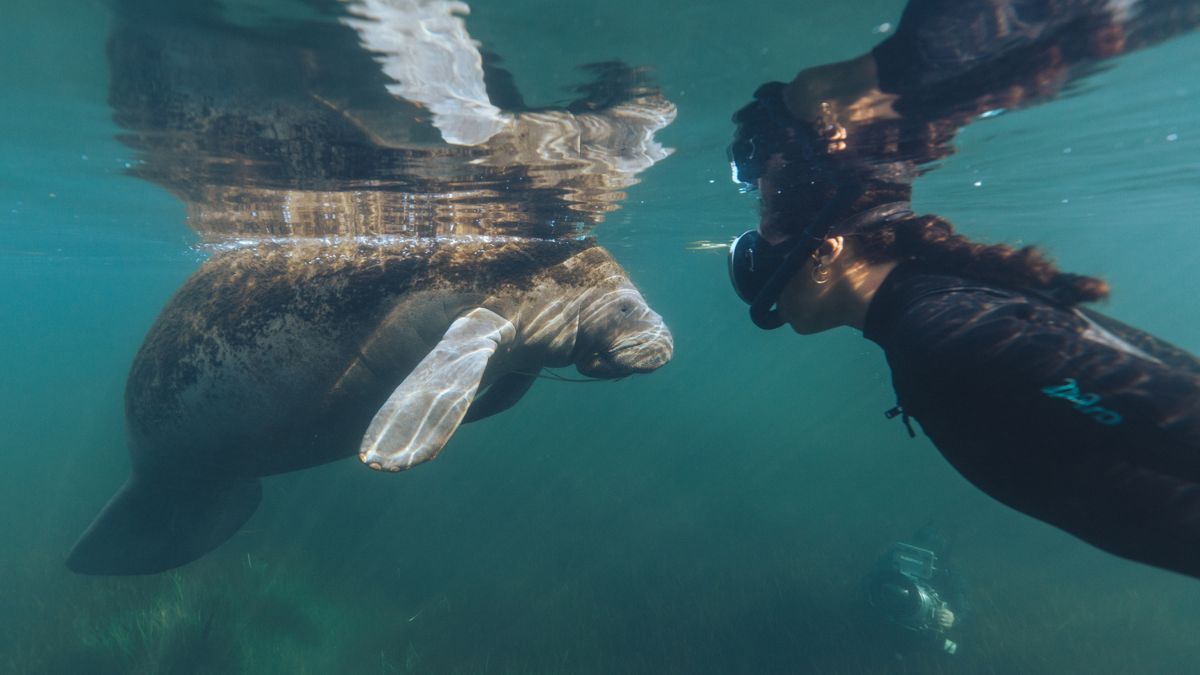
column 619, row 334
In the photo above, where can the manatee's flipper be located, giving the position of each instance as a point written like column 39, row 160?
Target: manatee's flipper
column 500, row 396
column 425, row 48
column 425, row 410
column 150, row 527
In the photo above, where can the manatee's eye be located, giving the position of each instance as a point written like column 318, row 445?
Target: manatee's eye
column 626, row 308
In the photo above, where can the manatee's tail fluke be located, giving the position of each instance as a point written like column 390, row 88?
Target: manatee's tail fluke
column 149, row 527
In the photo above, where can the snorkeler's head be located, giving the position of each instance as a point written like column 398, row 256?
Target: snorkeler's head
column 812, row 177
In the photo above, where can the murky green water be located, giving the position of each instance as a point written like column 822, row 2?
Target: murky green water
column 717, row 516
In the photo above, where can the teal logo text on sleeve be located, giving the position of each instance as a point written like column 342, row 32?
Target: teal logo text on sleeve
column 1088, row 404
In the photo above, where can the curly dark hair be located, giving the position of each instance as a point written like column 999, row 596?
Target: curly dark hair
column 932, row 240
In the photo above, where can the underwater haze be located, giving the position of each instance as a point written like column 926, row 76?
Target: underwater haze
column 716, row 516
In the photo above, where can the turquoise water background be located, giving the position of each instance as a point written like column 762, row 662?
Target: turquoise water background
column 717, row 516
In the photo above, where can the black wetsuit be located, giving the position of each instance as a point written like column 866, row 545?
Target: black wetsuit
column 1065, row 415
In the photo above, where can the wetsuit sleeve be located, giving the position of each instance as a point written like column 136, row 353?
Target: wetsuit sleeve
column 1065, row 424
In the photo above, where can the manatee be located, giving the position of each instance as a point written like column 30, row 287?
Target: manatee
column 394, row 251
column 281, row 357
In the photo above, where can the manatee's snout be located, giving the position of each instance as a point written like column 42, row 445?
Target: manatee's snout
column 644, row 351
column 633, row 339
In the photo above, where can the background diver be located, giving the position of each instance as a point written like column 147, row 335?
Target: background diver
column 913, row 591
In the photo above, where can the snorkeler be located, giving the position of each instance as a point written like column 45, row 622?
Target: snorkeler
column 1055, row 410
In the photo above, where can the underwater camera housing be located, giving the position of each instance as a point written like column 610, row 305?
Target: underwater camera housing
column 905, row 596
